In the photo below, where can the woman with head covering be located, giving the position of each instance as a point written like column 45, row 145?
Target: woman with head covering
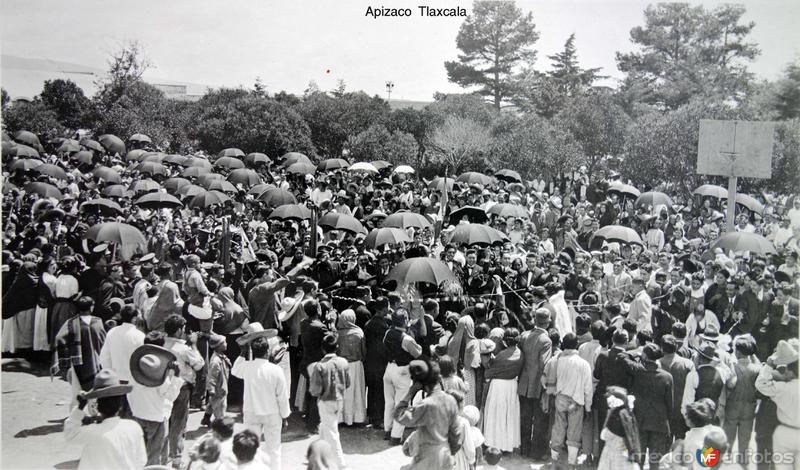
column 463, row 348
column 45, row 293
column 66, row 292
column 620, row 432
column 353, row 347
column 501, row 411
column 19, row 307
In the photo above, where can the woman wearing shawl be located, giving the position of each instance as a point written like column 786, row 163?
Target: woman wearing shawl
column 620, row 433
column 19, row 307
column 45, row 293
column 353, row 347
column 67, row 290
column 463, row 348
column 501, row 411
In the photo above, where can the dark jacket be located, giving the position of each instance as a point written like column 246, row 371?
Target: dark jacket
column 652, row 387
column 609, row 369
column 376, row 359
column 536, row 350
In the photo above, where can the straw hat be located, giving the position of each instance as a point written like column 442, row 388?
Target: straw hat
column 150, row 363
column 256, row 330
column 107, row 384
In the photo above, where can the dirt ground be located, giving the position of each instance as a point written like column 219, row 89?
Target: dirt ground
column 34, row 409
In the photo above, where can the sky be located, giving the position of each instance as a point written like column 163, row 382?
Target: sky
column 289, row 43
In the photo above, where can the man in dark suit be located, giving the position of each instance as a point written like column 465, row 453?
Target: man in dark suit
column 536, row 350
column 610, row 369
column 653, row 389
column 783, row 317
column 471, row 271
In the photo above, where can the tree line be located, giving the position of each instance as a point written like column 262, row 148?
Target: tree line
column 688, row 63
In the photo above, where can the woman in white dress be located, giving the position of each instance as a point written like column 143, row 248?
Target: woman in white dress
column 353, row 347
column 501, row 413
column 463, row 349
column 19, row 307
column 46, row 292
column 67, row 291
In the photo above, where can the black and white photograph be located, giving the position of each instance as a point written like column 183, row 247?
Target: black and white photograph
column 434, row 235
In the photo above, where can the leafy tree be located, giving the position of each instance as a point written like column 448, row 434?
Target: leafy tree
column 229, row 117
column 785, row 158
column 459, row 143
column 787, row 94
column 468, row 106
column 377, row 142
column 32, row 116
column 66, row 98
column 288, row 99
column 686, row 50
column 5, row 98
column 598, row 124
column 495, row 42
column 126, row 67
column 411, row 121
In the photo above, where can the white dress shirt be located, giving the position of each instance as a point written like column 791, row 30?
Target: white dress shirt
column 148, row 403
column 265, row 390
column 114, row 443
column 116, row 352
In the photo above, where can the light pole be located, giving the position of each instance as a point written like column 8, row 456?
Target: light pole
column 389, row 88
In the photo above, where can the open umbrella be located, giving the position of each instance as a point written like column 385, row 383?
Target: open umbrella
column 220, row 185
column 112, row 144
column 256, row 157
column 103, row 206
column 382, row 236
column 291, row 212
column 376, row 215
column 277, row 197
column 174, row 184
column 206, row 179
column 337, row 221
column 84, row 156
column 405, row 219
column 198, row 162
column 229, row 163
column 152, row 168
column 244, row 176
column 508, row 175
column 117, row 190
column 26, row 164
column 69, row 146
column 115, row 232
column 475, row 215
column 711, row 190
column 158, row 200
column 744, row 241
column 260, row 188
column 106, row 174
column 139, row 138
column 194, row 172
column 381, row 164
column 93, row 145
column 294, row 157
column 618, row 233
column 652, row 198
column 175, row 159
column 421, row 269
column 27, row 138
column 231, row 152
column 135, row 155
column 155, row 157
column 623, row 189
column 208, row 199
column 363, row 166
column 750, row 203
column 24, row 151
column 301, row 168
column 439, row 184
column 332, row 164
column 477, row 234
column 504, row 210
column 190, row 190
column 43, row 190
column 473, row 177
column 144, row 186
column 404, row 169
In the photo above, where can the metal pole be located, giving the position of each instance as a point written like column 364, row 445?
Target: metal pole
column 731, row 214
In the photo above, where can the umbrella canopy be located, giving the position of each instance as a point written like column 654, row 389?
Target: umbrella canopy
column 135, row 155
column 145, row 186
column 381, row 164
column 174, row 184
column 332, row 164
column 744, row 241
column 69, row 146
column 206, row 179
column 158, row 200
column 404, row 219
column 84, row 156
column 106, row 174
column 175, row 159
column 277, row 197
column 208, row 199
column 256, row 157
column 229, row 163
column 140, row 138
column 623, row 189
column 294, row 157
column 190, row 190
column 194, row 172
column 244, row 176
column 24, row 151
column 27, row 138
column 112, row 144
column 711, row 190
column 381, row 236
column 653, row 198
column 198, row 162
column 301, row 168
column 103, row 206
column 477, row 234
column 421, row 269
column 93, row 145
column 337, row 221
column 155, row 157
column 231, row 152
column 439, row 184
column 376, row 215
column 473, row 177
column 260, row 188
column 221, row 185
column 508, row 175
column 618, row 233
column 363, row 166
column 43, row 190
column 115, row 232
column 509, row 210
column 475, row 215
column 117, row 190
column 291, row 212
column 750, row 202
column 26, row 164
column 152, row 168
column 404, row 169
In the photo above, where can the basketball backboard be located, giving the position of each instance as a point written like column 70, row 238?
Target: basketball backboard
column 735, row 148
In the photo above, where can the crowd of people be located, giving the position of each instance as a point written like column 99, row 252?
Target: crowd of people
column 570, row 321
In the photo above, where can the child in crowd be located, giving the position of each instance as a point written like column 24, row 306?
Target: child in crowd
column 451, row 381
column 245, row 448
column 492, row 456
column 207, row 455
column 219, row 369
column 473, row 439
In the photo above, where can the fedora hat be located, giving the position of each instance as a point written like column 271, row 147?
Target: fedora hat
column 289, row 306
column 107, row 384
column 784, row 354
column 256, row 330
column 150, row 363
column 711, row 333
column 215, row 341
column 708, row 351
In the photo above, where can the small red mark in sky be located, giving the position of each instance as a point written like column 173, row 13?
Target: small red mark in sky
column 328, row 71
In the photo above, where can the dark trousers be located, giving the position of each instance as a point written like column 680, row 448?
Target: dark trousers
column 312, row 412
column 155, row 442
column 534, row 428
column 199, row 393
column 375, row 401
column 655, row 444
column 294, row 366
column 235, row 384
column 177, row 421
